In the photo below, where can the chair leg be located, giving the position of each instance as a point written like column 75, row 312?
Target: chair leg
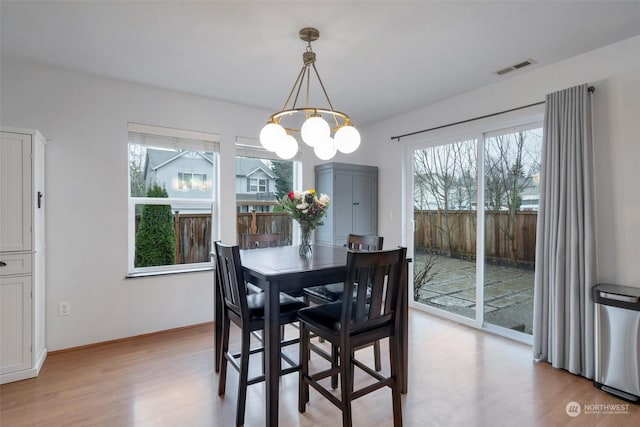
column 305, row 354
column 395, row 389
column 244, row 377
column 346, row 385
column 352, row 369
column 334, row 364
column 222, row 379
column 264, row 363
column 221, row 338
column 376, row 356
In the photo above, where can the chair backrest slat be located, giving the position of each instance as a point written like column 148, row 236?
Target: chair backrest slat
column 232, row 286
column 360, row 302
column 378, row 277
column 377, row 285
column 364, row 243
column 265, row 240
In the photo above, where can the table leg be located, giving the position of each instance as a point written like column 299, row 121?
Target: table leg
column 272, row 352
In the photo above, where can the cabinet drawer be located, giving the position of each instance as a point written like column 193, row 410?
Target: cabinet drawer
column 12, row 264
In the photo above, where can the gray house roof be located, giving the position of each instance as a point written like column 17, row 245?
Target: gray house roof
column 246, row 166
column 156, row 159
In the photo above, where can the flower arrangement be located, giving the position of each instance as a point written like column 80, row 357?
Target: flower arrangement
column 308, row 210
column 306, row 207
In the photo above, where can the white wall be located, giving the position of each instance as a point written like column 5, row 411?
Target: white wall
column 86, row 117
column 615, row 72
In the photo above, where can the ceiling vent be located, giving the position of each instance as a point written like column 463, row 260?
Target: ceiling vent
column 516, row 66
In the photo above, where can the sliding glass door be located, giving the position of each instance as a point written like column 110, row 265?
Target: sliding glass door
column 444, row 193
column 474, row 213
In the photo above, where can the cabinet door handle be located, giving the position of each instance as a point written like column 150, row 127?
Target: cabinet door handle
column 3, row 264
column 356, row 203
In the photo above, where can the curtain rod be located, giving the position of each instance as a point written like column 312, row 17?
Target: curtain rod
column 591, row 89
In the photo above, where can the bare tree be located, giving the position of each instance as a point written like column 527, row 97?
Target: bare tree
column 137, row 164
column 423, row 274
column 510, row 159
column 445, row 179
column 442, row 178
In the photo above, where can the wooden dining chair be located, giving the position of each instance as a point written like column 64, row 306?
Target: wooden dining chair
column 247, row 312
column 333, row 292
column 258, row 241
column 265, row 240
column 368, row 312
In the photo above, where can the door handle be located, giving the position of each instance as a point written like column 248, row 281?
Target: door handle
column 3, row 264
column 356, row 203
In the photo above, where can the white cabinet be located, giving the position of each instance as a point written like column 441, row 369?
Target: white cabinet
column 22, row 254
column 15, row 329
column 353, row 209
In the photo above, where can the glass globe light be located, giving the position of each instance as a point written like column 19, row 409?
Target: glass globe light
column 271, row 136
column 315, row 130
column 325, row 150
column 347, row 139
column 287, row 148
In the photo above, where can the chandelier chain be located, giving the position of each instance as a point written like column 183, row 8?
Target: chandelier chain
column 324, row 90
column 293, row 89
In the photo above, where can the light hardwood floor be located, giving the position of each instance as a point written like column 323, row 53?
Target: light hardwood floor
column 458, row 377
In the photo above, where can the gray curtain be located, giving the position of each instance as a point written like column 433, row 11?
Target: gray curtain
column 563, row 310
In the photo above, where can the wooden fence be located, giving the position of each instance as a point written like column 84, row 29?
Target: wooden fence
column 193, row 233
column 193, row 237
column 430, row 234
column 264, row 223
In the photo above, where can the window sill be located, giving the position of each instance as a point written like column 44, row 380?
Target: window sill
column 167, row 272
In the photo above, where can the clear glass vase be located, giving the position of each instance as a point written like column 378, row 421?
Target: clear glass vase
column 305, row 241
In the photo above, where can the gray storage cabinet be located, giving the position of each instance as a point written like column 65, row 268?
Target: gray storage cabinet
column 353, row 190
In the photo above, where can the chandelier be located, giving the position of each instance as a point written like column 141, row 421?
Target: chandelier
column 311, row 122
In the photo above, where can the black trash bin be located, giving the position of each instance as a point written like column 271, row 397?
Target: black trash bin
column 617, row 347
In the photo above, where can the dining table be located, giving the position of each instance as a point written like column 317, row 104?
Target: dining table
column 282, row 269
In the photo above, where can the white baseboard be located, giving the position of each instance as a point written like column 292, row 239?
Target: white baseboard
column 24, row 374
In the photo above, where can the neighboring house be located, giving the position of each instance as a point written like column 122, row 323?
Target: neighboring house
column 187, row 174
column 184, row 174
column 255, row 185
column 531, row 193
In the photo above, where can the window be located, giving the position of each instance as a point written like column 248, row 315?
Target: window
column 171, row 199
column 192, row 181
column 257, row 185
column 262, row 178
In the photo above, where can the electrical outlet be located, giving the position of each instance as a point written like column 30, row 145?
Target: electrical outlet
column 64, row 309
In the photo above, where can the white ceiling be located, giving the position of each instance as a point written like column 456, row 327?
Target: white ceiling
column 376, row 59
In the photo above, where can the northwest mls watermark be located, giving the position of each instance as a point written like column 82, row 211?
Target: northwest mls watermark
column 573, row 409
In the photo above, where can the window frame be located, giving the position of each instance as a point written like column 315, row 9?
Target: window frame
column 479, row 130
column 176, row 139
column 182, row 181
